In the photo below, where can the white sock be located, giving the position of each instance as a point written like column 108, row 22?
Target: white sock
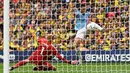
column 78, row 53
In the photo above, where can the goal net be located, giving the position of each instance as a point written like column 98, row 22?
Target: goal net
column 89, row 36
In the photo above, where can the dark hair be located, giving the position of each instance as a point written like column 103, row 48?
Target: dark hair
column 83, row 5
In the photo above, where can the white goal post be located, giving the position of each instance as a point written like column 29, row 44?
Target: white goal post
column 6, row 36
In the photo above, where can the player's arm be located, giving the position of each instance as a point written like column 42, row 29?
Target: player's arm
column 55, row 52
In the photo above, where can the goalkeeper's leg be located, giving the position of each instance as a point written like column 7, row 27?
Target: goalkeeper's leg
column 20, row 63
column 45, row 66
column 48, row 66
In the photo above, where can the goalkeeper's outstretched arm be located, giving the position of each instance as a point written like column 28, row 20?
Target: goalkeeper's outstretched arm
column 55, row 52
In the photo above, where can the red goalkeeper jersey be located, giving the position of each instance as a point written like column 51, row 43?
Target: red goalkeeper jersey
column 44, row 51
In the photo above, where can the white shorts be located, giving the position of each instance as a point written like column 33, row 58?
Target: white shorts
column 84, row 31
column 81, row 33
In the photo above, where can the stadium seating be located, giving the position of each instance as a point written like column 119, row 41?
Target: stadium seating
column 29, row 19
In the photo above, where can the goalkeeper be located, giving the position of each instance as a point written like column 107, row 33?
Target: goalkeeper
column 42, row 55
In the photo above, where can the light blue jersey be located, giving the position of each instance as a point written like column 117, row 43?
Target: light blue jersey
column 81, row 19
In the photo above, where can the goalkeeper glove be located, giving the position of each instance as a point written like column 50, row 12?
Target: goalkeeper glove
column 75, row 62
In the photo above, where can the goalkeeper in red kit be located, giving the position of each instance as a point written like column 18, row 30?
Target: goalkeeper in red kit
column 41, row 56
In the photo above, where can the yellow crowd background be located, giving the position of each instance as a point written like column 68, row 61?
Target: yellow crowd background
column 30, row 19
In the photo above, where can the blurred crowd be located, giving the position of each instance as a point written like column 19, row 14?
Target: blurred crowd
column 1, row 24
column 30, row 19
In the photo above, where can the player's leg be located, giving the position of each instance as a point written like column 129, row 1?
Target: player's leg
column 20, row 63
column 79, row 55
column 94, row 26
column 45, row 66
column 39, row 66
column 79, row 41
column 48, row 66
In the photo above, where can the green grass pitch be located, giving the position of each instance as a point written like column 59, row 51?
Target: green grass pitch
column 83, row 68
